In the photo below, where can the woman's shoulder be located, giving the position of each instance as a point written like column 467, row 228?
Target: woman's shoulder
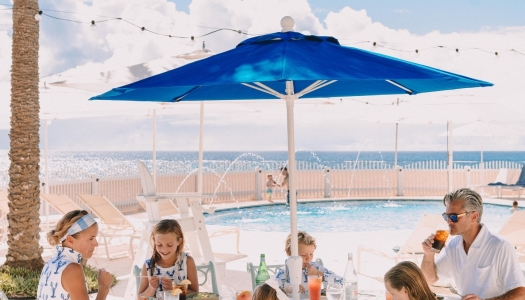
column 73, row 269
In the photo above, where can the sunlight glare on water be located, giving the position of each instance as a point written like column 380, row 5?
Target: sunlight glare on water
column 342, row 216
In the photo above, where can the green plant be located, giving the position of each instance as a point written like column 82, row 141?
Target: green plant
column 23, row 283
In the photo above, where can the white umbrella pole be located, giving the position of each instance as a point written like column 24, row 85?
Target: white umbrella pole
column 449, row 154
column 154, row 159
column 482, row 164
column 395, row 153
column 290, row 98
column 46, row 170
column 201, row 154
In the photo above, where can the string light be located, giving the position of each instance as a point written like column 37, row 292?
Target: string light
column 38, row 16
column 93, row 27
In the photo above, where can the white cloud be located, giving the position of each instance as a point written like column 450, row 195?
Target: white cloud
column 262, row 125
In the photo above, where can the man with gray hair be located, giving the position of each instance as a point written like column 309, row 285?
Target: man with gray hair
column 482, row 265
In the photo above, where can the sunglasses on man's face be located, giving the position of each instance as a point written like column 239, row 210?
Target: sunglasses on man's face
column 453, row 217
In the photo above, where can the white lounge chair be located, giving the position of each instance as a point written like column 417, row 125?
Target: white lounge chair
column 169, row 208
column 115, row 224
column 412, row 246
column 61, row 203
column 514, row 232
column 519, row 186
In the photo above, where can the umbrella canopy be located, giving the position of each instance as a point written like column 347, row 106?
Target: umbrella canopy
column 289, row 65
column 259, row 68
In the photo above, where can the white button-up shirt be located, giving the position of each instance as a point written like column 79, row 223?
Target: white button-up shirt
column 490, row 269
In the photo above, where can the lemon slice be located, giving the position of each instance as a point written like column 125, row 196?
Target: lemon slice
column 176, row 291
column 185, row 282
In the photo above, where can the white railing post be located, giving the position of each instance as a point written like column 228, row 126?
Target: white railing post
column 258, row 184
column 327, row 183
column 467, row 176
column 94, row 185
column 399, row 171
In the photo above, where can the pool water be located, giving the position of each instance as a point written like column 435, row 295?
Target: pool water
column 341, row 216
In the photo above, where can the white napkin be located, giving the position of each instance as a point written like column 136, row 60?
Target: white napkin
column 275, row 284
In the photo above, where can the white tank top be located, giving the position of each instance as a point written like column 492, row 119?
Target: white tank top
column 50, row 284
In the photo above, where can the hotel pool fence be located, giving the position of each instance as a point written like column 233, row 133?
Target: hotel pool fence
column 246, row 181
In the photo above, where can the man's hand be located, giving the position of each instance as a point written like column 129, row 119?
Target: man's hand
column 427, row 244
column 471, row 297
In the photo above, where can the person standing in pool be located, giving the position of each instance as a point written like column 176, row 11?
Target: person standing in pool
column 285, row 182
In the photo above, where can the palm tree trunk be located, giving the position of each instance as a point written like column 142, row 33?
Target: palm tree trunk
column 24, row 185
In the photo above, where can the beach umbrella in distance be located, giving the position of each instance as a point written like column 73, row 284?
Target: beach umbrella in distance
column 480, row 129
column 288, row 65
column 95, row 80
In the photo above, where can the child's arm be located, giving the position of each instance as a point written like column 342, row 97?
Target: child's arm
column 148, row 286
column 192, row 275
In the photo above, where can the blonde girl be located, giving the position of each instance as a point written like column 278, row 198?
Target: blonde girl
column 264, row 292
column 74, row 238
column 405, row 281
column 168, row 263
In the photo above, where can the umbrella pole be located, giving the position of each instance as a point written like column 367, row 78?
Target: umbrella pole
column 154, row 158
column 395, row 153
column 201, row 154
column 449, row 154
column 296, row 267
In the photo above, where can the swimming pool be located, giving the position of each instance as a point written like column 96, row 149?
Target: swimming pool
column 341, row 216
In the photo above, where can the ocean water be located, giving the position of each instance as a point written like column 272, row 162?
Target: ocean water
column 75, row 165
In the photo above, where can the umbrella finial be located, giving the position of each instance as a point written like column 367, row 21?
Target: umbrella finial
column 287, row 24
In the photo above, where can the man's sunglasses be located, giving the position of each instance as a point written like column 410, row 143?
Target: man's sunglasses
column 453, row 217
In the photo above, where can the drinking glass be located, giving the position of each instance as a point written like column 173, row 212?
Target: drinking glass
column 314, row 287
column 334, row 291
column 168, row 296
column 442, row 232
column 243, row 295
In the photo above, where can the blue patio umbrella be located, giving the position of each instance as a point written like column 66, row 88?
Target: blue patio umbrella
column 289, row 65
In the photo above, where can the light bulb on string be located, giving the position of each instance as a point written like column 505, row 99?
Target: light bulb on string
column 142, row 29
column 192, row 41
column 93, row 26
column 38, row 16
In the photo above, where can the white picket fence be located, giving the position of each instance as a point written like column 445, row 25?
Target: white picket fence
column 237, row 183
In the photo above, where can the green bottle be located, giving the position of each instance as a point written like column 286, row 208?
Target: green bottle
column 262, row 273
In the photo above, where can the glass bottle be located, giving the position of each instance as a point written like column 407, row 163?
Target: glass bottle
column 350, row 279
column 262, row 273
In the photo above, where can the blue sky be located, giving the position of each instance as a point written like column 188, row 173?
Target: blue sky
column 478, row 28
column 423, row 16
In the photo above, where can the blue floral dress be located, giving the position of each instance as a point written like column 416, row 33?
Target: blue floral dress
column 177, row 272
column 50, row 283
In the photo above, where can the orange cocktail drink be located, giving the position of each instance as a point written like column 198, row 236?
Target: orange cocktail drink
column 314, row 287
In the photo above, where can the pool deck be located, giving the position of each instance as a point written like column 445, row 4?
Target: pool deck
column 332, row 248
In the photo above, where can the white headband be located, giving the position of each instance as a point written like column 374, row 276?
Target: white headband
column 80, row 225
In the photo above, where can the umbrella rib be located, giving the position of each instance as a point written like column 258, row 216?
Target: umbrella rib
column 321, row 85
column 409, row 91
column 264, row 89
column 310, row 87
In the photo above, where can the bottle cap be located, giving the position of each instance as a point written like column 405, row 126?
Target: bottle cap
column 350, row 256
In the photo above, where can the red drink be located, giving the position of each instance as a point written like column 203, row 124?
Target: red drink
column 314, row 287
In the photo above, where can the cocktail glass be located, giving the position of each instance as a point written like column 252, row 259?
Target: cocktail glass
column 314, row 287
